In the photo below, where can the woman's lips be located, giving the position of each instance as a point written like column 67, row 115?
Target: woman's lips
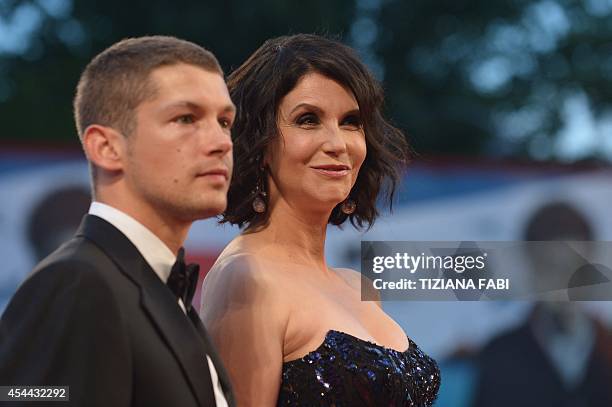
column 332, row 171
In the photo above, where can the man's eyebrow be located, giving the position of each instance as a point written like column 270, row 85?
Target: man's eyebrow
column 182, row 103
column 230, row 108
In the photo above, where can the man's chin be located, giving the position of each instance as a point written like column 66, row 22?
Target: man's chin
column 212, row 209
column 191, row 211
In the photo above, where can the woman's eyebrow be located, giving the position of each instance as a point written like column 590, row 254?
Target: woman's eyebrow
column 308, row 105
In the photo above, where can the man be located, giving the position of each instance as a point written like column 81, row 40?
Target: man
column 559, row 355
column 154, row 118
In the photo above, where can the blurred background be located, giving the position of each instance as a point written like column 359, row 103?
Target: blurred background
column 507, row 104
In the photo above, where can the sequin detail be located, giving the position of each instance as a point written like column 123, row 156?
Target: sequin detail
column 349, row 371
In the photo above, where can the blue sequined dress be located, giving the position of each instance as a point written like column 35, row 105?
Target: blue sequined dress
column 348, row 371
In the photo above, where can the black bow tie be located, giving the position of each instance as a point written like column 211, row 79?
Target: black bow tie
column 183, row 279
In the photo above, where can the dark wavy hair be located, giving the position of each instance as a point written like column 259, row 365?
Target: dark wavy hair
column 257, row 88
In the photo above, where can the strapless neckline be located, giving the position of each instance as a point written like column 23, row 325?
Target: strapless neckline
column 347, row 371
column 332, row 332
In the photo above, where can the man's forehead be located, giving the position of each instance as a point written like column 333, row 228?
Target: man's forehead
column 180, row 73
column 188, row 86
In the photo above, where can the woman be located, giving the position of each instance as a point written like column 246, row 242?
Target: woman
column 311, row 148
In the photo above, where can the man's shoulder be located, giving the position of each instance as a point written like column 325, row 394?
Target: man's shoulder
column 75, row 251
column 78, row 258
column 74, row 277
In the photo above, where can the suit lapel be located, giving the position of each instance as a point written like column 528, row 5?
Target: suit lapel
column 183, row 339
column 211, row 351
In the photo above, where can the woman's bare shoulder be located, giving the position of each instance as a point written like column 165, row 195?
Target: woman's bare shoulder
column 351, row 276
column 239, row 289
column 233, row 269
column 242, row 272
column 361, row 283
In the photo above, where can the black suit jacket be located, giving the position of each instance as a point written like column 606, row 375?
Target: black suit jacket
column 94, row 316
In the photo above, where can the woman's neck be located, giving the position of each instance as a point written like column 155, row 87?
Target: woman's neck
column 297, row 236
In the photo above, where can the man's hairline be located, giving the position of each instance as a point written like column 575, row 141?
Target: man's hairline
column 152, row 86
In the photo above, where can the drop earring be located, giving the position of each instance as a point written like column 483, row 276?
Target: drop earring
column 259, row 202
column 348, row 206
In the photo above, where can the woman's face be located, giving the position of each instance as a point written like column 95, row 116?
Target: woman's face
column 321, row 145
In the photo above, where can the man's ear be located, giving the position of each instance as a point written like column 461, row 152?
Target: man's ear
column 105, row 147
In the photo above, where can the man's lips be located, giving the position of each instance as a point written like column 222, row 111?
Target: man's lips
column 215, row 172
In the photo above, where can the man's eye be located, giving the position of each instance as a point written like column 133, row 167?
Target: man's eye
column 307, row 119
column 225, row 123
column 185, row 119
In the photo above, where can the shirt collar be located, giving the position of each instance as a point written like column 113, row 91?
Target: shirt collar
column 155, row 252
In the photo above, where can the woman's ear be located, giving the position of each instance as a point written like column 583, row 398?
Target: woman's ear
column 267, row 156
column 105, row 147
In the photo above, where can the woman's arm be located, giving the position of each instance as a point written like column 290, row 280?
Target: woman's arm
column 243, row 313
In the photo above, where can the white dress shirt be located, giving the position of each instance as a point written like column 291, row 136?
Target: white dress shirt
column 160, row 258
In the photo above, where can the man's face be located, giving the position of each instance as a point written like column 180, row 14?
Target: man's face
column 179, row 159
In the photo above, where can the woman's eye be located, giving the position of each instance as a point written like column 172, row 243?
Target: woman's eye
column 352, row 121
column 308, row 119
column 185, row 119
